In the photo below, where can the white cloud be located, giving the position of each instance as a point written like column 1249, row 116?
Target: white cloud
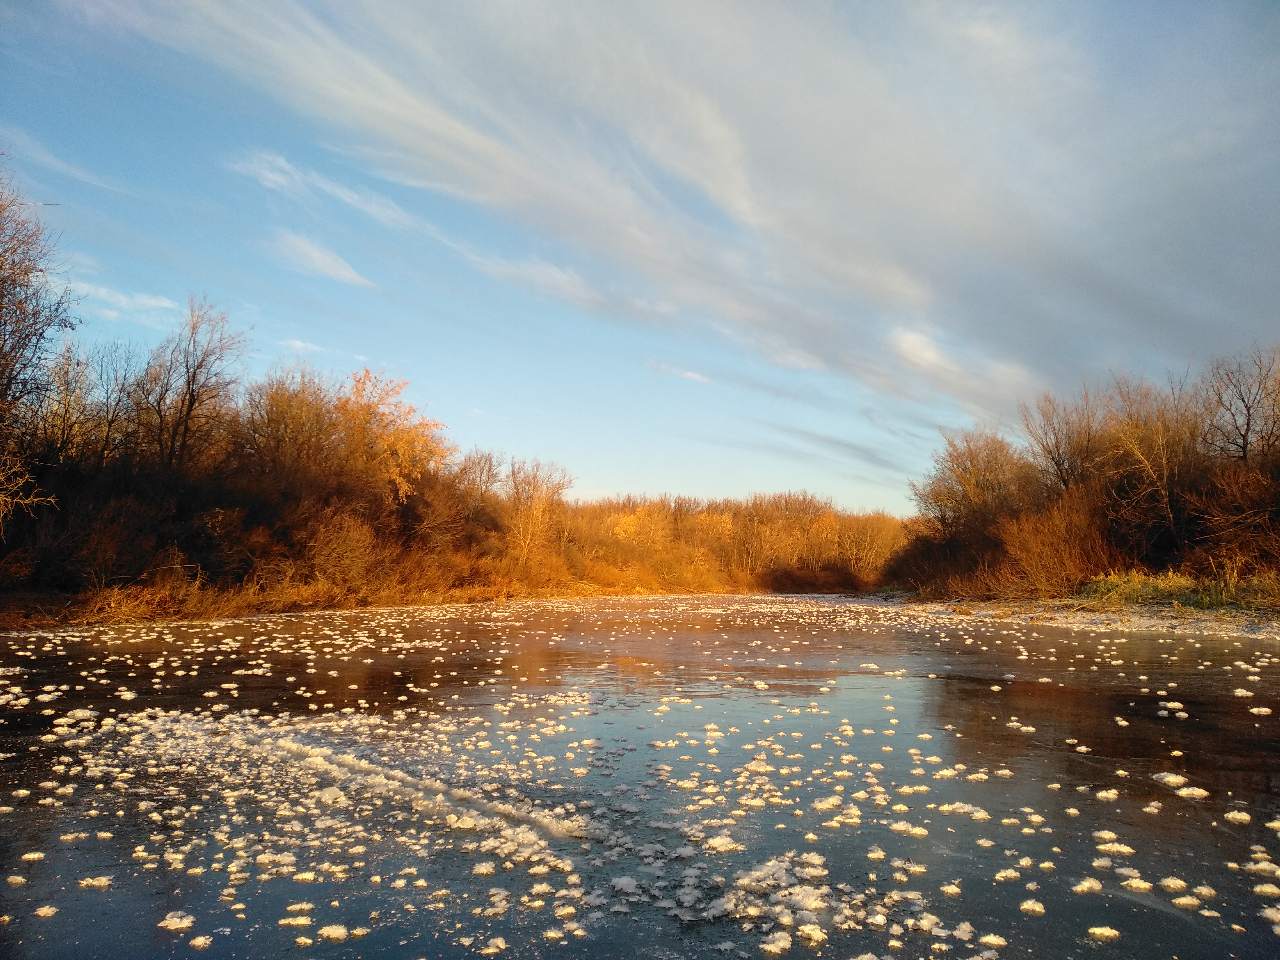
column 23, row 145
column 983, row 384
column 919, row 350
column 146, row 309
column 274, row 172
column 305, row 255
column 77, row 261
column 1043, row 188
column 302, row 346
column 691, row 375
column 547, row 278
column 119, row 299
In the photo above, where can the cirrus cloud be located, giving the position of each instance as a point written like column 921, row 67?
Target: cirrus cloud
column 307, row 256
column 945, row 202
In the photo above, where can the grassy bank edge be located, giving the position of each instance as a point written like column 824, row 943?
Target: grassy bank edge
column 145, row 604
column 1133, row 599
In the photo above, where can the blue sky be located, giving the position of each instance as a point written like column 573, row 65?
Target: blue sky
column 693, row 248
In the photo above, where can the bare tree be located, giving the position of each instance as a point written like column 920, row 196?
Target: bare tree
column 1242, row 394
column 55, row 421
column 32, row 310
column 79, row 417
column 289, row 433
column 1154, row 454
column 868, row 541
column 17, row 491
column 978, row 478
column 114, row 371
column 534, row 490
column 187, row 387
column 1065, row 437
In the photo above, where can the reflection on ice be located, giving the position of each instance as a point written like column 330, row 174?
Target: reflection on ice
column 707, row 776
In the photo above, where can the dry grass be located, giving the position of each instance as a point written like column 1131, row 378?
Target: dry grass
column 194, row 601
column 1259, row 591
column 158, row 603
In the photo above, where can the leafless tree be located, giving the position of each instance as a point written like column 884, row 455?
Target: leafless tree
column 32, row 312
column 32, row 309
column 80, row 415
column 187, row 387
column 1154, row 453
column 55, row 422
column 1066, row 437
column 289, row 433
column 534, row 490
column 114, row 371
column 977, row 478
column 17, row 492
column 1242, row 394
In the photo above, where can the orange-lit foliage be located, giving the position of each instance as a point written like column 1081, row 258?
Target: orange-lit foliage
column 163, row 484
column 383, row 439
column 1182, row 478
column 775, row 542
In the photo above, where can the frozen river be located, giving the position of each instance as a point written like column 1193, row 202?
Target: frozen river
column 677, row 777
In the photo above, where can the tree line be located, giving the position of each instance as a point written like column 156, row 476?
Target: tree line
column 1107, row 488
column 164, row 481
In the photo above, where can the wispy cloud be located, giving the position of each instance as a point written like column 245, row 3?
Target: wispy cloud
column 982, row 382
column 307, row 256
column 26, row 147
column 673, row 371
column 839, row 446
column 273, row 172
column 935, row 200
column 79, row 262
column 121, row 300
column 295, row 345
column 147, row 309
column 542, row 276
column 780, row 449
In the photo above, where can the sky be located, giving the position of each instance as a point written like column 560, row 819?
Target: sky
column 697, row 248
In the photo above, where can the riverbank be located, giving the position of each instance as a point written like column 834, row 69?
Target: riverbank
column 1080, row 614
column 196, row 603
column 141, row 604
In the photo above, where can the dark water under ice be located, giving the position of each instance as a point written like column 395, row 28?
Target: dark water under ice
column 677, row 777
